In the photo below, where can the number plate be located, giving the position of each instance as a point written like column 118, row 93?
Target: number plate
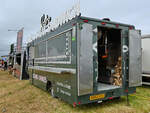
column 95, row 97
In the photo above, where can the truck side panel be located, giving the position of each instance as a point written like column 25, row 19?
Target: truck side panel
column 60, row 71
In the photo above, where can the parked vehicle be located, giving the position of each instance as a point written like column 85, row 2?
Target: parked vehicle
column 87, row 60
column 17, row 64
column 20, row 65
column 146, row 60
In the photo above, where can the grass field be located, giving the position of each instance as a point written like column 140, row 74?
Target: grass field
column 20, row 97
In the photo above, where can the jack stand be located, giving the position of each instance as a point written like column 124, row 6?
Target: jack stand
column 128, row 104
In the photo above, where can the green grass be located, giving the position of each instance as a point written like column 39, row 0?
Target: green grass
column 20, row 97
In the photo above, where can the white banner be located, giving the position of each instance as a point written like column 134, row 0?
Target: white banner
column 55, row 23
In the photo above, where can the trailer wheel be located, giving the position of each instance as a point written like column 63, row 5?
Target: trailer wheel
column 50, row 89
column 49, row 86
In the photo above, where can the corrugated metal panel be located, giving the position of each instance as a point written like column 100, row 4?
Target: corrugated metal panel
column 146, row 55
column 85, row 74
column 135, row 67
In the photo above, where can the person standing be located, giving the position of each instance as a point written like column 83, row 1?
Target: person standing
column 2, row 62
column 5, row 65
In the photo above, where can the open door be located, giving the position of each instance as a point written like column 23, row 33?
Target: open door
column 85, row 60
column 135, row 53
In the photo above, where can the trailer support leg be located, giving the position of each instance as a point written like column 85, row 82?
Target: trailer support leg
column 128, row 104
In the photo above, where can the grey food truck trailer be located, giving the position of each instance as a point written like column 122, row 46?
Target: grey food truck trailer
column 20, row 65
column 146, row 59
column 87, row 60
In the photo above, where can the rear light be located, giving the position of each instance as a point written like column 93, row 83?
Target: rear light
column 74, row 24
column 103, row 23
column 105, row 56
column 86, row 21
column 131, row 27
column 126, row 90
column 117, row 25
column 110, row 98
column 74, row 104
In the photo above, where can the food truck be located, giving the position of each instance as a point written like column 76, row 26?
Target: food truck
column 87, row 60
column 20, row 65
column 145, row 60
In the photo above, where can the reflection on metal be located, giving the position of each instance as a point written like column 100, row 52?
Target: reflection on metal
column 57, row 35
column 57, row 49
column 74, row 32
column 31, row 52
column 40, row 60
column 135, row 67
column 95, row 30
column 54, row 60
column 85, row 77
column 95, row 47
column 54, row 70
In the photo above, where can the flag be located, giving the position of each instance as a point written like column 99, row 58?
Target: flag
column 19, row 40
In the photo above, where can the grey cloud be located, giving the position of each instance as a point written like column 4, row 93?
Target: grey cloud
column 15, row 14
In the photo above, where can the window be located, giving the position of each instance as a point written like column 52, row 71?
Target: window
column 59, row 45
column 40, row 50
column 31, row 52
column 54, row 50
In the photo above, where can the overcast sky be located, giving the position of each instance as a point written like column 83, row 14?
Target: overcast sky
column 15, row 14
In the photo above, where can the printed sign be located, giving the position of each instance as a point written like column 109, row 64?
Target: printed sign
column 39, row 77
column 95, row 97
column 55, row 23
column 19, row 40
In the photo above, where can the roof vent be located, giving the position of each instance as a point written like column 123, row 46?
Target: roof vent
column 107, row 19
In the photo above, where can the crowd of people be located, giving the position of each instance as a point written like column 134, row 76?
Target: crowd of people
column 3, row 64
